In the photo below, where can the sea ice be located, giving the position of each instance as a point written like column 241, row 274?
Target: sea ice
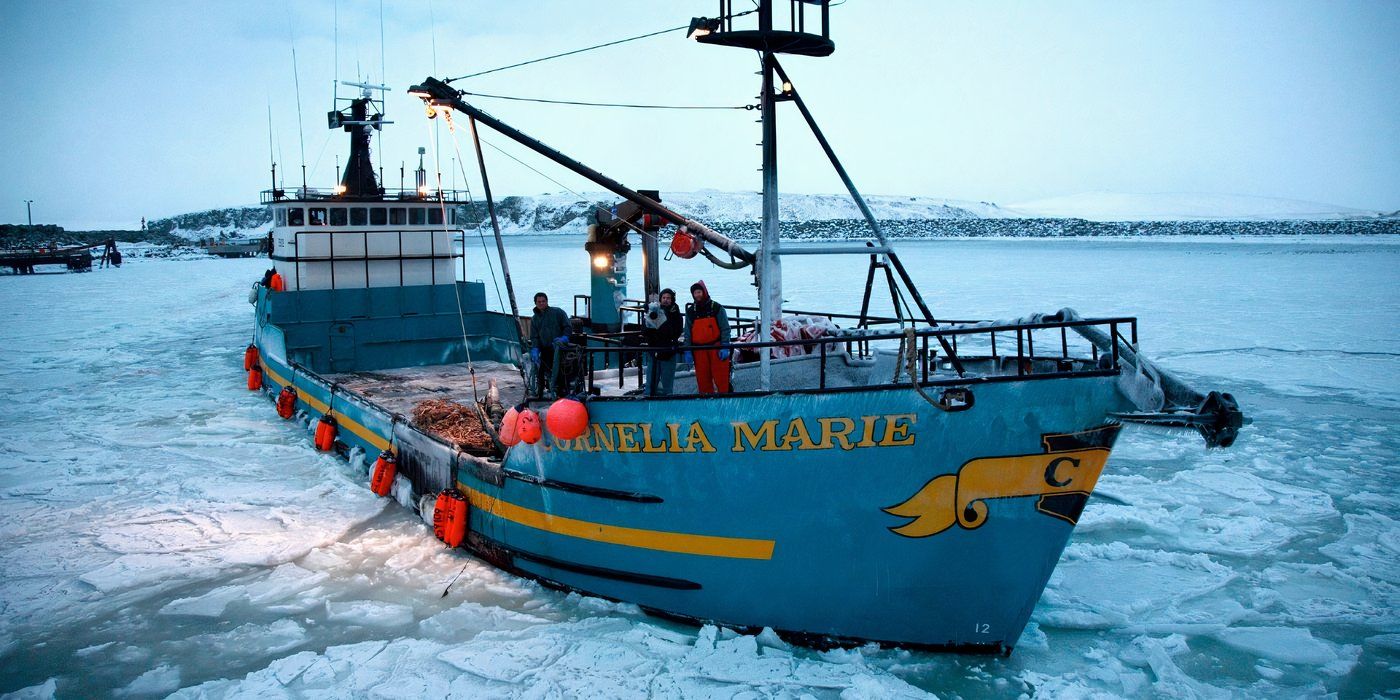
column 1288, row 645
column 160, row 527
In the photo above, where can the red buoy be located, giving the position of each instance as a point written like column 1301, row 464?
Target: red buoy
column 510, row 436
column 528, row 427
column 278, row 283
column 325, row 433
column 250, row 357
column 255, row 378
column 684, row 245
column 567, row 419
column 385, row 469
column 287, row 402
column 450, row 517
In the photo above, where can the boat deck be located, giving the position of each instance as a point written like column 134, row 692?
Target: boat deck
column 399, row 390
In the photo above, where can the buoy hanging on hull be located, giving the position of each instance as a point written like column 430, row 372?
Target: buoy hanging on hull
column 255, row 378
column 567, row 419
column 287, row 402
column 528, row 427
column 385, row 469
column 450, row 517
column 510, row 424
column 250, row 357
column 325, row 433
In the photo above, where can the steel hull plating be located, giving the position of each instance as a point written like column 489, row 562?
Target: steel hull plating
column 799, row 537
column 862, row 514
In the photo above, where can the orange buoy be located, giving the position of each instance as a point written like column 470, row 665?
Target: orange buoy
column 509, row 435
column 567, row 419
column 684, row 245
column 255, row 378
column 450, row 517
column 325, row 433
column 250, row 357
column 278, row 283
column 287, row 402
column 385, row 469
column 528, row 427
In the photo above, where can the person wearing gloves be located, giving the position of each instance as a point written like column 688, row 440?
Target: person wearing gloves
column 549, row 328
column 706, row 323
column 663, row 331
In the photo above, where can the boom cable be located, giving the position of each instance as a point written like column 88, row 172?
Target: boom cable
column 515, row 98
column 588, row 48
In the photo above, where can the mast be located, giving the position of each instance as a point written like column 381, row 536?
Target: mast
column 769, row 41
column 359, row 180
column 770, row 269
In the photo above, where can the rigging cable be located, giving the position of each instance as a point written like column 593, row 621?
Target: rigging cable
column 471, row 204
column 296, row 78
column 586, row 48
column 486, row 255
column 571, row 190
column 604, row 104
column 383, row 101
column 456, row 288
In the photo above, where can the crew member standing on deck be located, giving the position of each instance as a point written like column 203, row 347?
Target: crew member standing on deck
column 706, row 323
column 663, row 331
column 549, row 328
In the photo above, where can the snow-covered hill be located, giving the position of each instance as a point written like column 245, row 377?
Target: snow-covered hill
column 234, row 222
column 565, row 212
column 828, row 215
column 1118, row 206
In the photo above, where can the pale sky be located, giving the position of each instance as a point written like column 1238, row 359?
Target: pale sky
column 119, row 110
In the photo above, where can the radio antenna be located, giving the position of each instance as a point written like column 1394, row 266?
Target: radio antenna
column 301, row 131
column 271, row 157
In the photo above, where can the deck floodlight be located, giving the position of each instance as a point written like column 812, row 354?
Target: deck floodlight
column 600, row 261
column 702, row 26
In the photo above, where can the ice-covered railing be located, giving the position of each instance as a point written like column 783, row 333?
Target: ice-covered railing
column 319, row 194
column 618, row 353
column 1161, row 398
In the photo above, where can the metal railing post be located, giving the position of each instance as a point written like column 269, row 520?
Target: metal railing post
column 1020, row 354
column 1113, row 336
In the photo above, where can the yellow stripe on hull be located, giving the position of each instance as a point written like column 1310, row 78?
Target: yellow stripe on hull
column 365, row 433
column 678, row 542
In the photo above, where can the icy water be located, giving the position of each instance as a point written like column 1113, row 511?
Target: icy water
column 161, row 531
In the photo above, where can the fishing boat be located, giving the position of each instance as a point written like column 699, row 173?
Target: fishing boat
column 896, row 478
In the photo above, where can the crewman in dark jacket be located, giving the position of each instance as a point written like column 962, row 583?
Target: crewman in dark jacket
column 664, row 325
column 706, row 323
column 549, row 329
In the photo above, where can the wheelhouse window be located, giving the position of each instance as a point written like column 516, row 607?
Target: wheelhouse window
column 378, row 216
column 358, row 216
column 281, row 216
column 296, row 216
column 396, row 216
column 318, row 216
column 435, row 216
column 416, row 216
column 338, row 217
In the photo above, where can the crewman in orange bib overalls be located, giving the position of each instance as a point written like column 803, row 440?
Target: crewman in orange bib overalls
column 706, row 323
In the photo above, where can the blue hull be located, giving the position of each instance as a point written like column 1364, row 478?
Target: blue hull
column 844, row 515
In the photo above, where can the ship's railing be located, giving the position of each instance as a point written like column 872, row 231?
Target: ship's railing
column 318, row 194
column 1067, row 351
column 744, row 319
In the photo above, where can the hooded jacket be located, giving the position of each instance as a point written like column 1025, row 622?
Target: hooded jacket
column 707, row 309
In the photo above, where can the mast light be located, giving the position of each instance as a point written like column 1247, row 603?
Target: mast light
column 702, row 26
